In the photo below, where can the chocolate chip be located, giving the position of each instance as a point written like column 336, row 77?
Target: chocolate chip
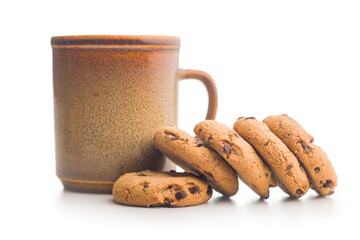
column 171, row 136
column 312, row 140
column 240, row 118
column 305, row 147
column 197, row 140
column 180, row 195
column 299, row 192
column 200, row 130
column 209, row 191
column 289, row 167
column 316, row 170
column 249, row 118
column 208, row 174
column 226, row 148
column 280, row 125
column 207, row 146
column 146, row 185
column 266, row 174
column 140, row 174
column 267, row 143
column 170, row 187
column 236, row 134
column 193, row 190
column 167, row 202
column 209, row 138
column 328, row 184
column 200, row 143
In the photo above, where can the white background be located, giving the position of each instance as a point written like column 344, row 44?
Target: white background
column 267, row 57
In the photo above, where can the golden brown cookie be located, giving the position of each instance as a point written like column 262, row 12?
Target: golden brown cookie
column 196, row 157
column 238, row 153
column 161, row 189
column 318, row 167
column 288, row 173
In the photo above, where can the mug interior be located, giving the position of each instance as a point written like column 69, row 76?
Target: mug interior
column 116, row 40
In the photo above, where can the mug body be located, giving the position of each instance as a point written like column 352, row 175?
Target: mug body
column 111, row 93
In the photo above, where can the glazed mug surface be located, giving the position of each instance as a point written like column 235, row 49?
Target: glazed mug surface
column 111, row 93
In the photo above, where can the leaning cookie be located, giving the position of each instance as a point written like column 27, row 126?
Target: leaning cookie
column 238, row 153
column 196, row 157
column 288, row 173
column 314, row 160
column 155, row 189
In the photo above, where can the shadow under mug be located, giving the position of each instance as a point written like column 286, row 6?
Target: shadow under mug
column 111, row 93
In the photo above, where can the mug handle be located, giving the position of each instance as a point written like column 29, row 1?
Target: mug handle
column 209, row 83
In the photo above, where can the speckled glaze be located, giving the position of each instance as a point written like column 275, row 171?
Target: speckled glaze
column 111, row 93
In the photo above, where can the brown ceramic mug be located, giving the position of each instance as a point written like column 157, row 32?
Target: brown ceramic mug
column 111, row 93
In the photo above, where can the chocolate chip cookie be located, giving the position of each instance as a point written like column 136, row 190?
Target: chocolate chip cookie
column 155, row 189
column 289, row 175
column 238, row 153
column 196, row 157
column 318, row 167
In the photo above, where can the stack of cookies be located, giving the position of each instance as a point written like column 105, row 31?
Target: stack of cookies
column 275, row 152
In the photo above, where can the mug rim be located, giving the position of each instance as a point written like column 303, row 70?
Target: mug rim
column 115, row 40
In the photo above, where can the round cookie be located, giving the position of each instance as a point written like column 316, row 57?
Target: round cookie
column 238, row 153
column 288, row 173
column 314, row 160
column 166, row 189
column 196, row 157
